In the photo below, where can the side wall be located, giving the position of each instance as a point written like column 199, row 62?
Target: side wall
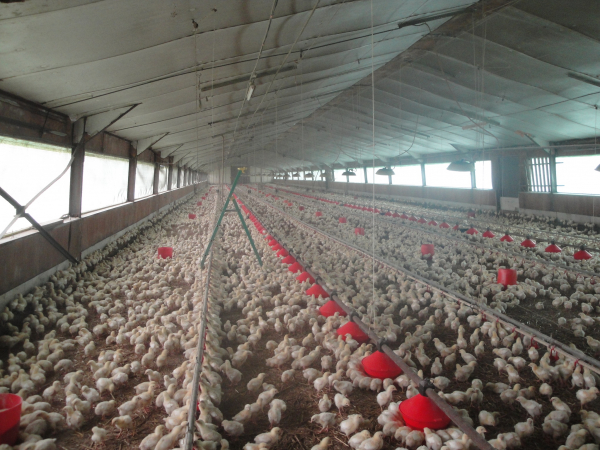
column 27, row 255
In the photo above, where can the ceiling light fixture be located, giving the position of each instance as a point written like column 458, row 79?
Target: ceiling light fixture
column 583, row 78
column 385, row 171
column 460, row 166
column 348, row 173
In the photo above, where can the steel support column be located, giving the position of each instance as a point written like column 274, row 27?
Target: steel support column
column 156, row 176
column 170, row 174
column 76, row 186
column 132, row 173
column 423, row 178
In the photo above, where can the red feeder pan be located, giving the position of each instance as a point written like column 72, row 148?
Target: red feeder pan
column 433, row 223
column 471, row 214
column 395, row 215
column 273, row 242
column 199, row 204
column 317, row 291
column 318, row 214
column 455, row 227
column 353, row 330
column 421, row 220
column 472, row 231
column 289, row 259
column 301, row 208
column 444, row 225
column 528, row 243
column 342, row 220
column 304, row 276
column 276, row 247
column 269, row 237
column 488, row 234
column 192, row 216
column 379, row 365
column 412, row 219
column 360, row 231
column 507, row 277
column 582, row 254
column 296, row 267
column 553, row 248
column 10, row 418
column 420, row 412
column 506, row 238
column 165, row 252
column 330, row 308
column 388, row 213
column 282, row 252
column 403, row 216
column 427, row 249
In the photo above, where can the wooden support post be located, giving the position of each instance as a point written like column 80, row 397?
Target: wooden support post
column 76, row 188
column 132, row 173
column 170, row 174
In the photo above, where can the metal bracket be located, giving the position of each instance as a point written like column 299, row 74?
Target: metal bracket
column 424, row 385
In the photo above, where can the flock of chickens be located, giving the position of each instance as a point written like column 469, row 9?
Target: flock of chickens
column 108, row 348
column 546, row 297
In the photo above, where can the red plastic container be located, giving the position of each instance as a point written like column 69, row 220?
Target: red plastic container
column 379, row 365
column 165, row 252
column 289, row 259
column 582, row 254
column 506, row 238
column 317, row 291
column 282, row 252
column 360, row 231
column 353, row 330
column 421, row 220
column 318, row 214
column 276, row 247
column 553, row 248
column 269, row 237
column 488, row 234
column 342, row 220
column 507, row 277
column 330, row 308
column 273, row 242
column 10, row 418
column 472, row 231
column 444, row 225
column 427, row 249
column 305, row 276
column 296, row 267
column 192, row 216
column 420, row 412
column 528, row 243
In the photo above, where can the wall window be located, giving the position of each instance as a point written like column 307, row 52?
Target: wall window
column 27, row 168
column 162, row 178
column 437, row 175
column 538, row 175
column 104, row 181
column 408, row 175
column 576, row 174
column 483, row 174
column 144, row 179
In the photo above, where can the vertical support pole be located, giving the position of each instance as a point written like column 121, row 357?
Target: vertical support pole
column 423, row 178
column 131, row 175
column 366, row 178
column 390, row 179
column 178, row 177
column 76, row 188
column 473, row 178
column 156, row 175
column 553, row 185
column 170, row 174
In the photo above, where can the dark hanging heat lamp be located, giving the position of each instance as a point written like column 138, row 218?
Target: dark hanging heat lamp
column 387, row 171
column 460, row 166
column 348, row 173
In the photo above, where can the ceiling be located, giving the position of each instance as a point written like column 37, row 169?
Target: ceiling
column 500, row 73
